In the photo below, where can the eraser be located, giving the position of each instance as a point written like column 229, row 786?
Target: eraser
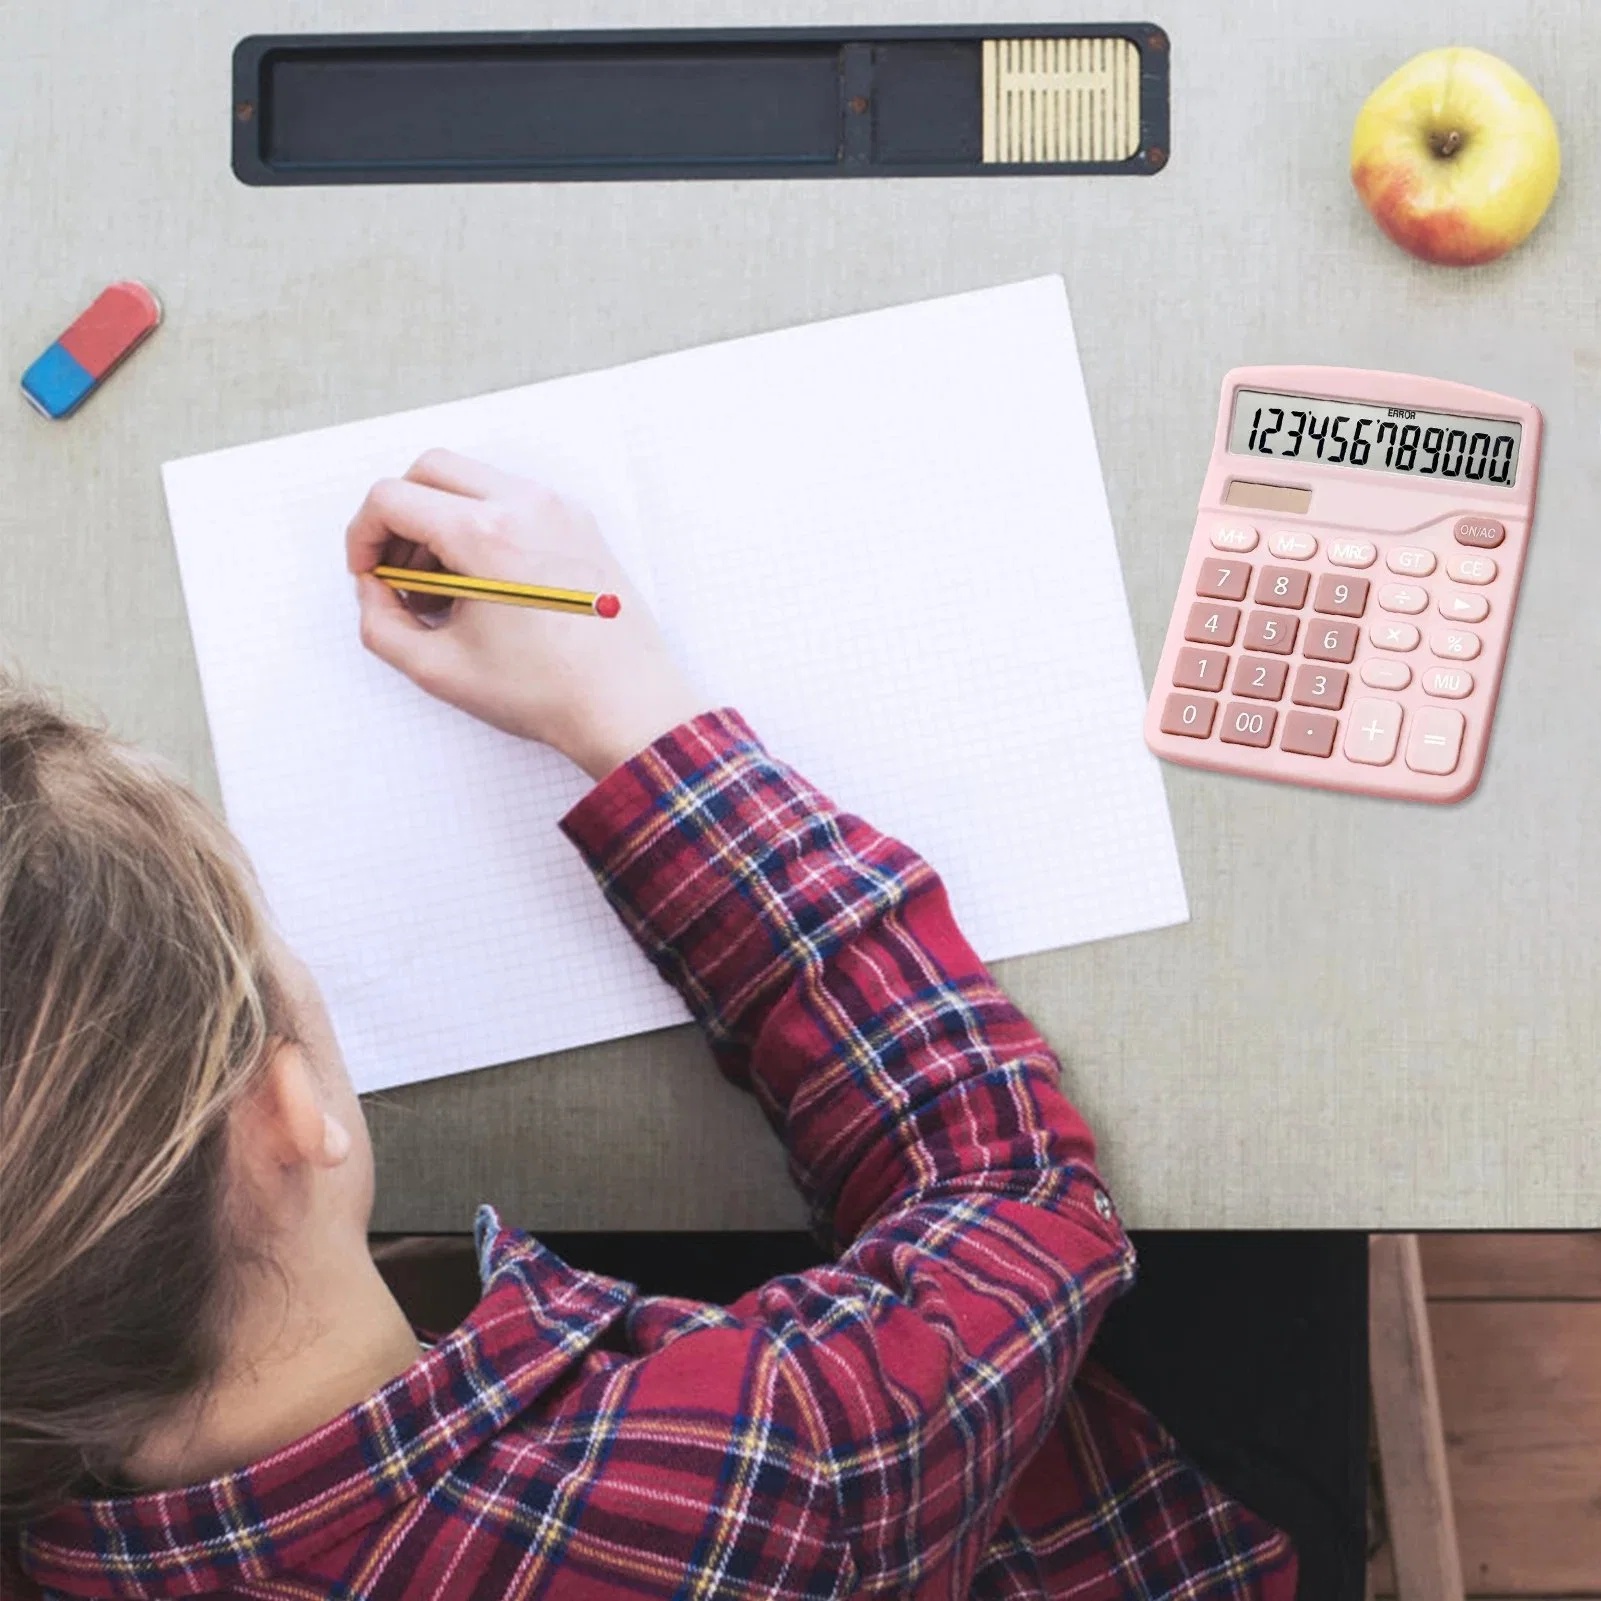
column 81, row 359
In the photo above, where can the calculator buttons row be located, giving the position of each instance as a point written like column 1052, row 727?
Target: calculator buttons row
column 1403, row 598
column 1484, row 532
column 1372, row 735
column 1410, row 562
column 1464, row 608
column 1472, row 569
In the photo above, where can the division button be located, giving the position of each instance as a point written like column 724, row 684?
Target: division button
column 1449, row 683
column 1332, row 642
column 1403, row 597
column 1188, row 714
column 1234, row 536
column 1395, row 636
column 1270, row 631
column 1351, row 552
column 1435, row 742
column 1260, row 677
column 1464, row 608
column 1455, row 644
column 1201, row 669
column 1483, row 532
column 1292, row 545
column 1320, row 686
column 1373, row 732
column 1247, row 724
column 1282, row 586
column 1410, row 561
column 1223, row 580
column 1309, row 733
column 1212, row 625
column 1472, row 569
column 1380, row 673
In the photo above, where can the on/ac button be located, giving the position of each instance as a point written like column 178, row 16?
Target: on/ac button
column 1485, row 533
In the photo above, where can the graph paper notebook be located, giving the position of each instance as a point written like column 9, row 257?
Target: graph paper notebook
column 813, row 563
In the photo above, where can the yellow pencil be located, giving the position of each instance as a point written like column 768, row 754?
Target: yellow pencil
column 457, row 586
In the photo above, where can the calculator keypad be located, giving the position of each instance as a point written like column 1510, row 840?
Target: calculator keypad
column 1305, row 652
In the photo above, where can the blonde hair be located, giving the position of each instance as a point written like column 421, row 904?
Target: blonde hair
column 136, row 1004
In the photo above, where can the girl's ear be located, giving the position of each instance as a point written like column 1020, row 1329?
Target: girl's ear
column 282, row 1121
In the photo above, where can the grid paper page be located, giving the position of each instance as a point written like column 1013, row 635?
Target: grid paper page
column 408, row 854
column 885, row 539
column 891, row 549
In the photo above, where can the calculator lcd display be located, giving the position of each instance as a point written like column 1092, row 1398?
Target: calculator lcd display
column 1341, row 433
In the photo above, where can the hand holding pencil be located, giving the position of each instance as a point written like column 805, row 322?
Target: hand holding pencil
column 598, row 684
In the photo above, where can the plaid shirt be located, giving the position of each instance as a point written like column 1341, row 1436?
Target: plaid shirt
column 913, row 1420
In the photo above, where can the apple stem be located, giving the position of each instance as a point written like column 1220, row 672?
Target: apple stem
column 1447, row 144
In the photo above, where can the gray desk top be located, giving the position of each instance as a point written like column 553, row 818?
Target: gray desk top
column 1380, row 1015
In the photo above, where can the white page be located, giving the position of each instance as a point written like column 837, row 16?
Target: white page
column 891, row 543
column 409, row 854
column 885, row 539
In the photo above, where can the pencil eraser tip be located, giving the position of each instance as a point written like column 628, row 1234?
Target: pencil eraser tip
column 607, row 605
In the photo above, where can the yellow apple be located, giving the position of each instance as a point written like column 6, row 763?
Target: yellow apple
column 1456, row 156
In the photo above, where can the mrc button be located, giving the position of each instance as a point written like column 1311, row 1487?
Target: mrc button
column 1484, row 532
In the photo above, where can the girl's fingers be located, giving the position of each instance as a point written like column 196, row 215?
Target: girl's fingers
column 462, row 475
column 393, row 635
column 448, row 525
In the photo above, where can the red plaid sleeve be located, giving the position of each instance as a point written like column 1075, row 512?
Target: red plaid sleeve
column 923, row 1122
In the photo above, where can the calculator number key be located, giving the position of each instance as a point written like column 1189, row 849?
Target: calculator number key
column 1339, row 596
column 1245, row 724
column 1212, row 625
column 1188, row 714
column 1330, row 642
column 1309, row 733
column 1282, row 586
column 1260, row 677
column 1435, row 742
column 1223, row 580
column 1320, row 686
column 1373, row 732
column 1201, row 669
column 1274, row 633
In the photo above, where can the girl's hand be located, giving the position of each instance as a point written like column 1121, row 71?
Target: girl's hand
column 598, row 690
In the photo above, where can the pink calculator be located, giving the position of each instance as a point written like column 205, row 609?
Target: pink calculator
column 1347, row 601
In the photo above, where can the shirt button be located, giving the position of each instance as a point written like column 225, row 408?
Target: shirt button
column 1103, row 1205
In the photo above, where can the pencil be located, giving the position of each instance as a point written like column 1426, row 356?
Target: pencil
column 457, row 586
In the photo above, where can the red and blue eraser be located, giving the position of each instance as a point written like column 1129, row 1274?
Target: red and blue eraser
column 120, row 320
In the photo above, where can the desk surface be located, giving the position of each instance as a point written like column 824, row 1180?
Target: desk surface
column 1379, row 1015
